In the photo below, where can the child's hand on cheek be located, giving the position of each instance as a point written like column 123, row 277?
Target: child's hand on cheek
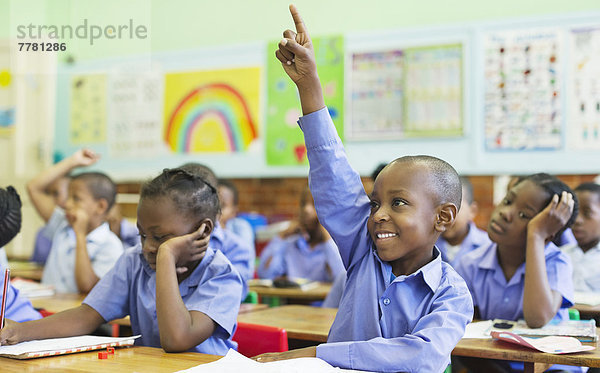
column 78, row 219
column 185, row 249
column 552, row 218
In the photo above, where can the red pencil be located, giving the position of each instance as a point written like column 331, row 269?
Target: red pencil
column 4, row 292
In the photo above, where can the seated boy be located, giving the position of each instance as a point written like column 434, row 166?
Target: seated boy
column 304, row 250
column 83, row 247
column 585, row 255
column 18, row 308
column 403, row 309
column 463, row 236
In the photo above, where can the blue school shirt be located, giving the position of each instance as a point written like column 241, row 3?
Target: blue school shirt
column 474, row 239
column 295, row 258
column 103, row 246
column 410, row 324
column 18, row 308
column 213, row 288
column 239, row 253
column 242, row 229
column 130, row 236
column 501, row 299
column 41, row 247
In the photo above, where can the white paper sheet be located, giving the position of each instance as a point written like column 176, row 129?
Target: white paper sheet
column 56, row 344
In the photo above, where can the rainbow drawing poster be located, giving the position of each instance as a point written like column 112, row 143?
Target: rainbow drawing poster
column 284, row 143
column 211, row 111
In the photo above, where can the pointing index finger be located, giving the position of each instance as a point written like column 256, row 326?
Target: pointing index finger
column 300, row 26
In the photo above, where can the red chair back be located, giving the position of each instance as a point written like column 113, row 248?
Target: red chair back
column 254, row 339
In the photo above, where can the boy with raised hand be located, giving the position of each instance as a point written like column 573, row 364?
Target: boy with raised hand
column 83, row 247
column 403, row 309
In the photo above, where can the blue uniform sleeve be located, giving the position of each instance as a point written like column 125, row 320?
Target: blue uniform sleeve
column 426, row 349
column 110, row 296
column 272, row 262
column 334, row 261
column 218, row 294
column 560, row 277
column 18, row 308
column 340, row 199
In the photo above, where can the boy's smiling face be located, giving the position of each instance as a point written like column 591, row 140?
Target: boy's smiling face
column 403, row 216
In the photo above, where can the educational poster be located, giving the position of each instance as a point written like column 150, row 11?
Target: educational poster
column 284, row 143
column 413, row 92
column 134, row 121
column 523, row 82
column 377, row 95
column 433, row 91
column 7, row 93
column 584, row 94
column 211, row 111
column 87, row 125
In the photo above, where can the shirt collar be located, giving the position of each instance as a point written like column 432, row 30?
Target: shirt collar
column 218, row 233
column 489, row 260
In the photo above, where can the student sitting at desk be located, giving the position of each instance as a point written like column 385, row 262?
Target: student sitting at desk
column 304, row 250
column 464, row 236
column 229, row 198
column 58, row 191
column 18, row 308
column 83, row 247
column 522, row 274
column 180, row 295
column 585, row 255
column 238, row 251
column 403, row 308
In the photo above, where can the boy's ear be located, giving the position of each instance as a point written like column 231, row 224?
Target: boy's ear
column 102, row 205
column 445, row 216
column 209, row 225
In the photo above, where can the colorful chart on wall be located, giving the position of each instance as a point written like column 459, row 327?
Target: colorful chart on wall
column 135, row 124
column 88, row 109
column 411, row 92
column 284, row 142
column 433, row 91
column 211, row 111
column 523, row 82
column 584, row 93
column 7, row 92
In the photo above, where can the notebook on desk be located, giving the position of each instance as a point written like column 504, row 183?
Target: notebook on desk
column 299, row 283
column 62, row 346
column 584, row 330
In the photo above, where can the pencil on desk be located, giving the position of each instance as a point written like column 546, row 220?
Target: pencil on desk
column 4, row 292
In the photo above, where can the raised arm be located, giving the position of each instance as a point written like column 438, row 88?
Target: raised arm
column 43, row 203
column 540, row 302
column 340, row 200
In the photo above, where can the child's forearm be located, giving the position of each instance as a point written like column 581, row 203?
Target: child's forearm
column 179, row 328
column 539, row 301
column 75, row 321
column 311, row 95
column 84, row 271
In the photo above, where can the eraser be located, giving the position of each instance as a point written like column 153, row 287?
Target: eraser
column 110, row 350
column 102, row 355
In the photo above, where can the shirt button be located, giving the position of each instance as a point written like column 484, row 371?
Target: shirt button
column 386, row 301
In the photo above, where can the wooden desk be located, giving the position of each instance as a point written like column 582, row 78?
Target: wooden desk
column 132, row 359
column 535, row 361
column 587, row 311
column 301, row 322
column 317, row 293
column 25, row 269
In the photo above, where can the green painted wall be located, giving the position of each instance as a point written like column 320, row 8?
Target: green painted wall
column 188, row 24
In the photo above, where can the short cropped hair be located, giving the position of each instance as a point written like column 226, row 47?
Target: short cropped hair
column 468, row 187
column 552, row 185
column 10, row 214
column 203, row 171
column 100, row 186
column 589, row 187
column 231, row 186
column 377, row 170
column 191, row 193
column 446, row 182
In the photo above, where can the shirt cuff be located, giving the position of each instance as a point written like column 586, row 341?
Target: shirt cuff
column 318, row 129
column 336, row 354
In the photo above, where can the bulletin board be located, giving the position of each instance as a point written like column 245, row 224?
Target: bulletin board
column 483, row 96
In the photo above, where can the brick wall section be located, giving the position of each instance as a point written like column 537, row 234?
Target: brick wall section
column 278, row 198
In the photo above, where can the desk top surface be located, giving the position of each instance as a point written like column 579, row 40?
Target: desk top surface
column 300, row 322
column 318, row 292
column 132, row 359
